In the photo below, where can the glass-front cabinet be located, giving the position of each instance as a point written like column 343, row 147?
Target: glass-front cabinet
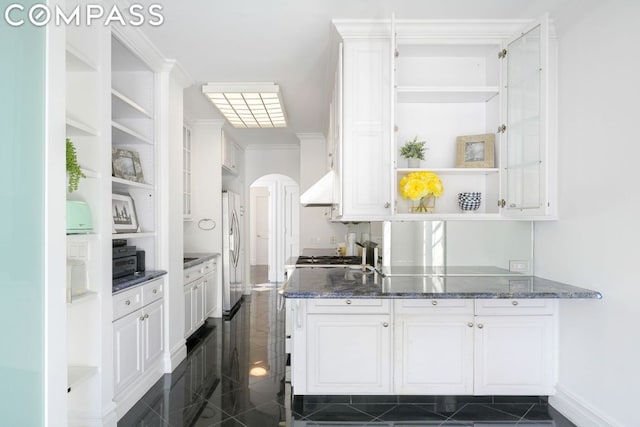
column 477, row 93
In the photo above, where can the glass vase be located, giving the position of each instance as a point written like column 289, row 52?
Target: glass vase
column 424, row 205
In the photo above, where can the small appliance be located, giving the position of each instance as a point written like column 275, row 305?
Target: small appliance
column 125, row 261
column 78, row 217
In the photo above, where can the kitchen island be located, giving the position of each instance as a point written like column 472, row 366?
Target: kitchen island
column 358, row 331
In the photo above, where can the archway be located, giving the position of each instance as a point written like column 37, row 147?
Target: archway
column 276, row 229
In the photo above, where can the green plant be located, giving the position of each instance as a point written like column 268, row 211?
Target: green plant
column 413, row 149
column 73, row 168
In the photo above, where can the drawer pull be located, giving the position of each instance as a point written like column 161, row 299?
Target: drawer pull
column 434, row 302
column 155, row 291
column 470, row 325
column 127, row 302
column 385, row 324
column 514, row 303
column 480, row 326
column 348, row 302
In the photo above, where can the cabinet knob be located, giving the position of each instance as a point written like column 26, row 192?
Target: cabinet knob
column 127, row 302
column 385, row 324
column 155, row 291
column 146, row 316
column 480, row 326
column 434, row 302
column 514, row 302
column 348, row 301
column 142, row 318
column 387, row 205
column 470, row 324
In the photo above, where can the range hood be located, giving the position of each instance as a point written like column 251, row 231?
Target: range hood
column 320, row 193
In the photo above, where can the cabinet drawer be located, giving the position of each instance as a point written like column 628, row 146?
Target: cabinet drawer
column 347, row 306
column 209, row 266
column 152, row 291
column 434, row 306
column 127, row 302
column 515, row 306
column 193, row 273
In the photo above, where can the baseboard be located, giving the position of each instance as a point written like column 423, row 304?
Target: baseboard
column 175, row 356
column 578, row 411
column 129, row 397
column 84, row 418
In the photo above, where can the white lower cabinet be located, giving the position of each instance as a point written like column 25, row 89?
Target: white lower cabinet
column 349, row 353
column 194, row 300
column 441, row 347
column 138, row 335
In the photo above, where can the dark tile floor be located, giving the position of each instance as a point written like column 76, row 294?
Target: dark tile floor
column 234, row 375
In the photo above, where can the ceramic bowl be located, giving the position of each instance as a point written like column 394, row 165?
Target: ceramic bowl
column 469, row 202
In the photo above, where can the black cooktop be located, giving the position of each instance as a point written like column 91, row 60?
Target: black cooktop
column 329, row 260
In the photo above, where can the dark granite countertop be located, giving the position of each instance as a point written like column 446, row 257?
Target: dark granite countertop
column 132, row 280
column 200, row 257
column 354, row 282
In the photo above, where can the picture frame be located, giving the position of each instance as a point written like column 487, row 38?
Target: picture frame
column 123, row 214
column 475, row 151
column 126, row 165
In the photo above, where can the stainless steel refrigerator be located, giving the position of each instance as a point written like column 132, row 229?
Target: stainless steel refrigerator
column 232, row 251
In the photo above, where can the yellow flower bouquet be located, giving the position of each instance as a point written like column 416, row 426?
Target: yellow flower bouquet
column 424, row 187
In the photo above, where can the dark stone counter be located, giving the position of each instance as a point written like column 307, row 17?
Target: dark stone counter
column 131, row 280
column 355, row 282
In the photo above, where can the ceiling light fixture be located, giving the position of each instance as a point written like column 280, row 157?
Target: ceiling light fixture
column 248, row 105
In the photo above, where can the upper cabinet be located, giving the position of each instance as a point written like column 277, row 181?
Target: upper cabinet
column 231, row 155
column 480, row 93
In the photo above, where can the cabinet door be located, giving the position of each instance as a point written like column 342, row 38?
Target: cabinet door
column 198, row 303
column 514, row 355
column 348, row 354
column 127, row 345
column 366, row 183
column 524, row 181
column 188, row 310
column 153, row 325
column 211, row 291
column 434, row 354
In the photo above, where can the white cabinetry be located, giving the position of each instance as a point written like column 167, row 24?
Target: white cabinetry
column 200, row 295
column 365, row 165
column 138, row 332
column 186, row 174
column 346, row 353
column 231, row 155
column 441, row 347
column 475, row 78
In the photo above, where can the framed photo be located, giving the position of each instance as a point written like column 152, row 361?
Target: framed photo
column 126, row 165
column 123, row 214
column 475, row 151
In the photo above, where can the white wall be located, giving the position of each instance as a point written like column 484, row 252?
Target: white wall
column 316, row 231
column 595, row 242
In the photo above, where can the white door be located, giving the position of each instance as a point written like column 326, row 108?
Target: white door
column 153, row 326
column 291, row 221
column 261, row 217
column 127, row 345
column 348, row 354
column 211, row 292
column 514, row 355
column 434, row 354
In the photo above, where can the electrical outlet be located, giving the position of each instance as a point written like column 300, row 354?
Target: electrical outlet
column 333, row 240
column 519, row 266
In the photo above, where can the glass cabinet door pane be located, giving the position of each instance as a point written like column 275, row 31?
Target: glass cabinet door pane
column 523, row 121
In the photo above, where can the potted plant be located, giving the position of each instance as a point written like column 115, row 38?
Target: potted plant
column 413, row 151
column 74, row 172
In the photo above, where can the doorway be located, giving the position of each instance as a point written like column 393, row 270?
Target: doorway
column 274, row 209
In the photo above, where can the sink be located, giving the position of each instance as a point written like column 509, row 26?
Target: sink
column 189, row 259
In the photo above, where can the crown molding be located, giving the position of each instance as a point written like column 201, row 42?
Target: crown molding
column 258, row 147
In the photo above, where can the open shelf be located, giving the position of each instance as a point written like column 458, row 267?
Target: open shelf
column 452, row 171
column 77, row 61
column 124, row 107
column 77, row 127
column 133, row 235
column 78, row 374
column 435, row 94
column 125, row 184
column 123, row 135
column 86, row 296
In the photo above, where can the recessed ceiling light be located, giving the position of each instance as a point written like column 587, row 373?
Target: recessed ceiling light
column 248, row 104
